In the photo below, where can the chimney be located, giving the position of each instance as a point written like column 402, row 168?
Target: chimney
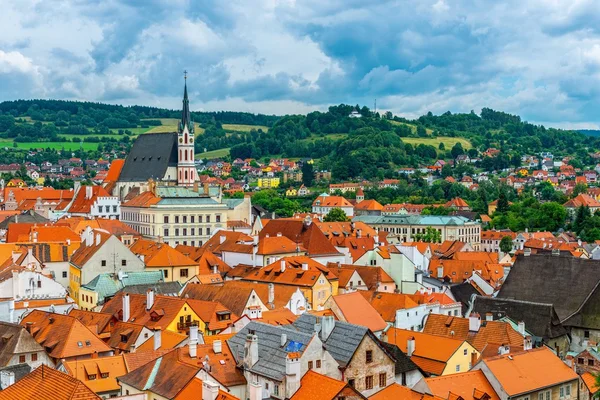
column 503, row 349
column 149, row 299
column 15, row 283
column 527, row 343
column 255, row 391
column 215, row 270
column 521, row 328
column 217, row 346
column 327, row 325
column 7, row 378
column 210, row 390
column 222, row 239
column 358, row 233
column 474, row 322
column 271, row 300
column 88, row 192
column 68, row 242
column 157, row 338
column 251, row 350
column 440, row 272
column 193, row 340
column 473, row 358
column 11, row 311
column 410, row 346
column 283, row 339
column 489, row 316
column 293, row 372
column 126, row 307
column 34, row 236
column 304, row 266
column 282, row 263
column 98, row 239
column 278, row 234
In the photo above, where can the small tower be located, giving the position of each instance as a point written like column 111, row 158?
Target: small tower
column 186, row 169
column 360, row 195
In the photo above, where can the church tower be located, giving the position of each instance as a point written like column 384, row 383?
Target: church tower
column 186, row 170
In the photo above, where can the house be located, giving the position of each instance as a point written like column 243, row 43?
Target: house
column 368, row 207
column 434, row 354
column 478, row 333
column 291, row 192
column 576, row 309
column 472, row 385
column 161, row 257
column 315, row 280
column 589, row 389
column 266, row 251
column 324, row 203
column 64, row 337
column 355, row 277
column 540, row 320
column 94, row 202
column 276, row 357
column 303, row 191
column 355, row 309
column 316, row 386
column 19, row 347
column 98, row 374
column 367, row 364
column 490, row 239
column 587, row 361
column 533, row 373
column 582, row 200
column 397, row 309
column 458, row 204
column 47, row 383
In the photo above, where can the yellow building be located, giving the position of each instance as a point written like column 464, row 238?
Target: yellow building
column 291, row 192
column 161, row 257
column 267, row 182
column 436, row 355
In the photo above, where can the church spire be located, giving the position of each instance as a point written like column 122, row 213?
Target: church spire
column 186, row 118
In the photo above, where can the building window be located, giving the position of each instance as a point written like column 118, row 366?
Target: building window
column 166, row 232
column 22, row 359
column 318, row 363
column 568, row 390
column 382, row 380
column 310, row 365
column 586, row 334
column 457, row 367
column 276, row 389
column 103, row 263
column 369, row 382
column 208, row 219
column 176, row 231
column 185, row 219
column 184, row 231
column 192, row 219
column 369, row 356
column 199, row 219
column 166, row 273
column 177, row 219
column 183, row 273
column 465, row 351
column 351, row 382
column 218, row 217
column 64, row 274
column 193, row 231
column 580, row 360
column 591, row 362
column 166, row 219
column 39, row 284
column 123, row 263
column 208, row 231
column 34, row 357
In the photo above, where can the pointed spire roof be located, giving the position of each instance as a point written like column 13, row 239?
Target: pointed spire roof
column 186, row 118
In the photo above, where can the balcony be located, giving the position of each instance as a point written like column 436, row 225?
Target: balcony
column 185, row 326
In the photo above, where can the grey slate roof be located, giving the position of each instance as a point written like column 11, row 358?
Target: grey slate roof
column 462, row 292
column 27, row 217
column 342, row 341
column 164, row 288
column 570, row 284
column 15, row 339
column 20, row 371
column 271, row 355
column 540, row 319
column 149, row 157
column 403, row 362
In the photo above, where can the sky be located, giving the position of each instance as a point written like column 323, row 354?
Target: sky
column 536, row 58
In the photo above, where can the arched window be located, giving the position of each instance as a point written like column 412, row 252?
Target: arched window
column 186, row 174
column 186, row 138
column 186, row 155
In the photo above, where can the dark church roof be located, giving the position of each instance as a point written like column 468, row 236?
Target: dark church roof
column 463, row 292
column 150, row 156
column 569, row 283
column 540, row 319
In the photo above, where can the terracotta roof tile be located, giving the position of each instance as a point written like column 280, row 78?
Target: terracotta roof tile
column 162, row 313
column 114, row 366
column 145, row 199
column 369, row 205
column 387, row 304
column 160, row 254
column 309, row 235
column 316, row 386
column 168, row 341
column 357, row 310
column 114, row 170
column 293, row 274
column 46, row 383
column 84, row 253
column 462, row 384
column 222, row 365
column 85, row 198
column 397, row 391
column 332, row 201
column 371, row 276
column 590, row 382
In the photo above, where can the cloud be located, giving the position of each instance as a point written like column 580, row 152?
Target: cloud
column 538, row 59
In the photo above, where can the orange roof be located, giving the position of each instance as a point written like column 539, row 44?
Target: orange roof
column 397, row 391
column 160, row 254
column 281, row 316
column 429, row 298
column 357, row 247
column 590, row 382
column 46, row 194
column 85, row 198
column 369, row 205
column 115, row 170
column 25, row 233
column 46, row 383
column 168, row 340
column 208, row 312
column 145, row 199
column 356, row 310
column 530, row 370
column 457, row 202
column 294, row 274
column 331, row 201
column 582, row 200
column 331, row 229
column 387, row 304
column 162, row 313
column 269, row 245
column 316, row 386
column 489, row 332
column 427, row 346
column 457, row 271
column 462, row 384
column 63, row 336
column 371, row 276
column 84, row 253
column 497, row 235
column 114, row 366
column 190, row 391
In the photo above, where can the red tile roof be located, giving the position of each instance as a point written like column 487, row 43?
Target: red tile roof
column 85, row 199
column 308, row 234
column 356, row 310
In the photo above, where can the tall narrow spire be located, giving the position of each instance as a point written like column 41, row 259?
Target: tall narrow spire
column 186, row 118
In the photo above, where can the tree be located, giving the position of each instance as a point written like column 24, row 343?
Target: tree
column 580, row 188
column 457, row 150
column 335, row 215
column 308, row 174
column 506, row 244
column 502, row 202
column 446, row 171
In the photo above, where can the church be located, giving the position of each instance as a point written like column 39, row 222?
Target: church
column 164, row 158
column 159, row 188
